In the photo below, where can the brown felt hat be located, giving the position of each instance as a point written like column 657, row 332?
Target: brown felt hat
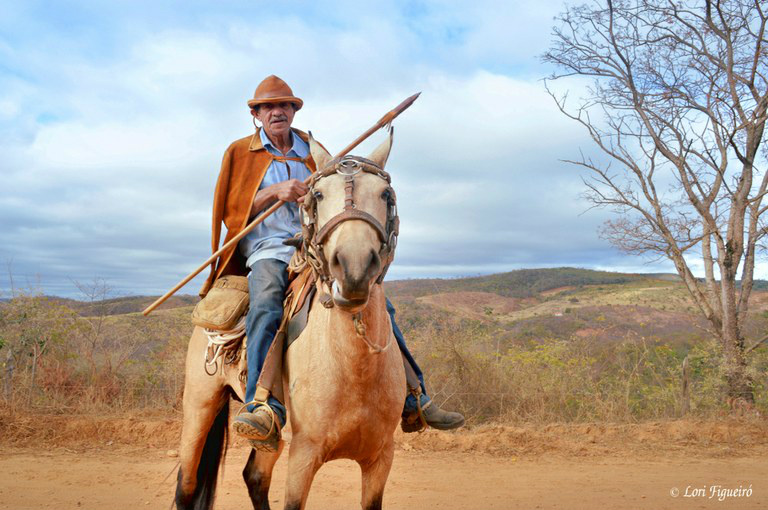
column 274, row 90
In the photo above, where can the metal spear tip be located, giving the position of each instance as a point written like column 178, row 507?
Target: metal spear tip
column 397, row 110
column 405, row 104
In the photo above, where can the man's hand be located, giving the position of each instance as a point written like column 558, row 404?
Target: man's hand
column 289, row 191
column 292, row 190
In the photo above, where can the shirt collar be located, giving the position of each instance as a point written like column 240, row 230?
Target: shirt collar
column 299, row 148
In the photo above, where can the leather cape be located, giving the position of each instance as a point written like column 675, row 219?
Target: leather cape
column 243, row 168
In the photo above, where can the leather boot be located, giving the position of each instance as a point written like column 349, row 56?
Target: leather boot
column 433, row 416
column 261, row 427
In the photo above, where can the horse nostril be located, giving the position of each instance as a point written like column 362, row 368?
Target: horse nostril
column 373, row 262
column 338, row 261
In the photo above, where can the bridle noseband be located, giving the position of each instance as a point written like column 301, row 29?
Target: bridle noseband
column 313, row 238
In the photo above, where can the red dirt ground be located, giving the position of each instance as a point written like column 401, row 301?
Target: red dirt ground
column 125, row 478
column 87, row 463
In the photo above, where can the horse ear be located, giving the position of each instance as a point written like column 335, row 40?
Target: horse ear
column 381, row 153
column 318, row 152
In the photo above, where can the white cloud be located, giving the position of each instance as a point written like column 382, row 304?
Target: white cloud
column 110, row 163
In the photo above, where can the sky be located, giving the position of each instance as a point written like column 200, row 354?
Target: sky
column 114, row 117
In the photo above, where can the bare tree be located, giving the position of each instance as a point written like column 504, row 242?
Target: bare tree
column 107, row 345
column 677, row 101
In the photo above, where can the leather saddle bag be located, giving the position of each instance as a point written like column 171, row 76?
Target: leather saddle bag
column 224, row 304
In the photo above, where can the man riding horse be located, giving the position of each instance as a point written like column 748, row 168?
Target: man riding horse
column 257, row 171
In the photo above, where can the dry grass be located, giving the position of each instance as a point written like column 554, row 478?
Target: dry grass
column 568, row 353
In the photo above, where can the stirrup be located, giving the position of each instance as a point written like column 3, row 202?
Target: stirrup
column 416, row 392
column 275, row 420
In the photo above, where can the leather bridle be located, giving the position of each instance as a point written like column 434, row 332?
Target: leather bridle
column 314, row 237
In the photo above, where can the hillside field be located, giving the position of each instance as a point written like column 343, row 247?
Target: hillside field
column 560, row 344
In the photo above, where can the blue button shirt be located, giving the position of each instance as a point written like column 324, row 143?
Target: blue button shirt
column 266, row 240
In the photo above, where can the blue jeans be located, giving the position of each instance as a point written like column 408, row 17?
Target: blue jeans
column 267, row 283
column 410, row 400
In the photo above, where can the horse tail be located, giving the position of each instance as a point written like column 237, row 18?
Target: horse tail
column 214, row 450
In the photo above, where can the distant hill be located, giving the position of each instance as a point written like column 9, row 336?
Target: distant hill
column 519, row 284
column 523, row 283
column 126, row 304
column 525, row 304
column 563, row 303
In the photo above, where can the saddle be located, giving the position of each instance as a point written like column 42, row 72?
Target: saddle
column 297, row 304
column 222, row 314
column 296, row 307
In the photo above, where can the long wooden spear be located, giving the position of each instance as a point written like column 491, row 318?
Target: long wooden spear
column 385, row 120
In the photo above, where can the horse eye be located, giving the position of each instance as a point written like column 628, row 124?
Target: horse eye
column 318, row 196
column 386, row 195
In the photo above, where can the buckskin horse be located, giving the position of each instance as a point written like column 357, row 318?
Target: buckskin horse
column 345, row 386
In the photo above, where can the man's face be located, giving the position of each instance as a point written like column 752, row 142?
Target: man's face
column 275, row 117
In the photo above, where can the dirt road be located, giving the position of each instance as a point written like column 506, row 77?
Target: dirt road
column 129, row 478
column 88, row 462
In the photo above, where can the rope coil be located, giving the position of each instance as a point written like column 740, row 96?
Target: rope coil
column 219, row 342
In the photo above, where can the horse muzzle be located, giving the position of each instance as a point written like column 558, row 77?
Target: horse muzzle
column 351, row 305
column 353, row 277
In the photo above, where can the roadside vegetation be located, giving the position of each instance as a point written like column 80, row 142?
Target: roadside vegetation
column 569, row 346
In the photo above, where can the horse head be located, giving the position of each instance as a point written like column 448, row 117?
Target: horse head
column 350, row 223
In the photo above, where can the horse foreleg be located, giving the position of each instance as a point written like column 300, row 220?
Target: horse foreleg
column 375, row 474
column 303, row 462
column 258, row 476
